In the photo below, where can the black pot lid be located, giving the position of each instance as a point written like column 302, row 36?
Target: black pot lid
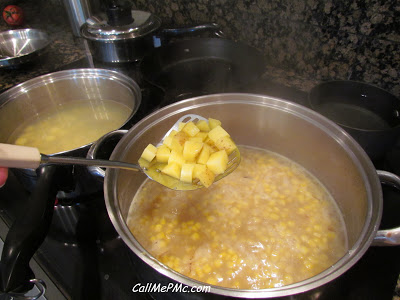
column 98, row 28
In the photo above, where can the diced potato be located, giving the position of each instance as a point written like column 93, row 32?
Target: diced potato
column 194, row 151
column 191, row 149
column 173, row 170
column 198, row 169
column 205, row 175
column 217, row 133
column 163, row 153
column 203, row 125
column 172, row 133
column 176, row 157
column 225, row 143
column 149, row 152
column 173, row 144
column 204, row 154
column 187, row 173
column 218, row 162
column 181, row 137
column 210, row 143
column 181, row 125
column 213, row 123
column 190, row 129
column 144, row 163
column 195, row 139
column 201, row 135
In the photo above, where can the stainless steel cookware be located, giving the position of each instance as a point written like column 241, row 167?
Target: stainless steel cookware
column 35, row 96
column 294, row 131
column 120, row 43
column 122, row 34
column 20, row 104
column 20, row 46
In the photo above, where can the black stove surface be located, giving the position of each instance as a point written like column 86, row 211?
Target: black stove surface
column 86, row 259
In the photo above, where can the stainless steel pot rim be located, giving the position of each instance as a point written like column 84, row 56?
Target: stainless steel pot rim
column 95, row 73
column 362, row 161
column 62, row 75
column 96, row 28
column 27, row 34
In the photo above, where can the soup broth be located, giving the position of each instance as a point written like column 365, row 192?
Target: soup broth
column 70, row 125
column 270, row 223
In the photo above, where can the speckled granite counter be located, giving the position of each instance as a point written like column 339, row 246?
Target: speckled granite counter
column 66, row 48
column 63, row 50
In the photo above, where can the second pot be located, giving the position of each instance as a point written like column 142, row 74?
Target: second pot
column 370, row 114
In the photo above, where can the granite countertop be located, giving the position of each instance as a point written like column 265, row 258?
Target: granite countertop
column 65, row 49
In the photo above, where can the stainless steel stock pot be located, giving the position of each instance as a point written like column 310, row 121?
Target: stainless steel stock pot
column 300, row 134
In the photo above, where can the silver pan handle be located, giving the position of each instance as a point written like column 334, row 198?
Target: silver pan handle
column 388, row 237
column 98, row 172
column 212, row 27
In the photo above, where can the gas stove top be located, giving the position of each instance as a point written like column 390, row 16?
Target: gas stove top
column 83, row 257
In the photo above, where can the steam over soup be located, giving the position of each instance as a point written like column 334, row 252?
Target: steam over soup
column 268, row 224
column 70, row 125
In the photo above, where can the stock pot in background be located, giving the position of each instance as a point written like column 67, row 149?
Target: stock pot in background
column 294, row 131
column 122, row 34
column 20, row 104
column 370, row 114
column 34, row 97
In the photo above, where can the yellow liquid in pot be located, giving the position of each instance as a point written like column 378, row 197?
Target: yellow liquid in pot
column 70, row 125
column 270, row 223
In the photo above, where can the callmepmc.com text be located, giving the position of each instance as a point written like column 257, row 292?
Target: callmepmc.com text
column 170, row 288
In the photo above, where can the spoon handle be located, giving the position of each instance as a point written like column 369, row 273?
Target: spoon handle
column 65, row 160
column 14, row 156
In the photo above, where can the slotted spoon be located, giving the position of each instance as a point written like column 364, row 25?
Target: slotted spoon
column 14, row 156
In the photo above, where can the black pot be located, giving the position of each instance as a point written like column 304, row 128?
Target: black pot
column 369, row 114
column 199, row 66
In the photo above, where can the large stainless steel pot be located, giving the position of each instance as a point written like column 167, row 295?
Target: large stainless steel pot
column 39, row 94
column 21, row 103
column 294, row 131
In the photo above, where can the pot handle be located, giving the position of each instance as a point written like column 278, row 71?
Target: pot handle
column 95, row 150
column 213, row 27
column 27, row 234
column 388, row 237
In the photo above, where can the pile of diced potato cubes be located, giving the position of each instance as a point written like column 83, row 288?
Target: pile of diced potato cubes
column 196, row 152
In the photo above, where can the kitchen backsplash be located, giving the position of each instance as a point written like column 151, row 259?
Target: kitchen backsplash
column 307, row 39
column 312, row 39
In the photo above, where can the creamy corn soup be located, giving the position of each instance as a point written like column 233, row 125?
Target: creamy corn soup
column 268, row 224
column 70, row 125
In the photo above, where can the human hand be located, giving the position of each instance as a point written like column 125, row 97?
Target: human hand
column 3, row 176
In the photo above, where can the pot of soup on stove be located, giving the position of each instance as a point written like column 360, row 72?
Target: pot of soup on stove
column 301, row 208
column 65, row 112
column 60, row 113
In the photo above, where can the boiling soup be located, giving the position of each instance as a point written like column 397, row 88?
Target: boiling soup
column 270, row 223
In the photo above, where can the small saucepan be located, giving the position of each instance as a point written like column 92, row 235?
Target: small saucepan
column 370, row 114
